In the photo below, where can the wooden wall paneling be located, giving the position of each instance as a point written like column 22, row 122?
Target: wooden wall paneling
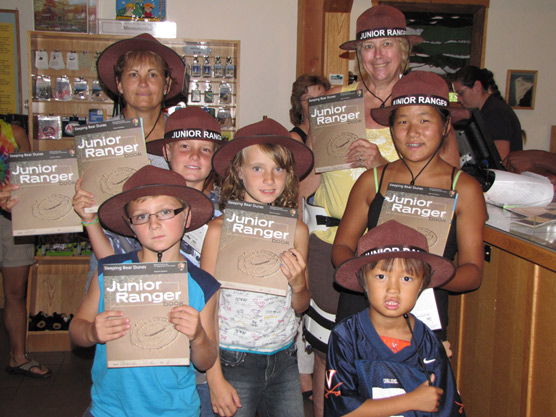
column 504, row 334
column 511, row 334
column 337, row 25
column 322, row 26
column 477, row 327
column 542, row 372
column 56, row 284
column 310, row 37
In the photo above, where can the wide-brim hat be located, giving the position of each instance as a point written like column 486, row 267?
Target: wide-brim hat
column 380, row 21
column 392, row 240
column 191, row 123
column 149, row 181
column 420, row 88
column 108, row 58
column 266, row 131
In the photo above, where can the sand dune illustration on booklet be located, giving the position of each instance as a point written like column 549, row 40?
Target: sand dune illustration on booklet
column 108, row 154
column 253, row 236
column 47, row 185
column 337, row 120
column 146, row 292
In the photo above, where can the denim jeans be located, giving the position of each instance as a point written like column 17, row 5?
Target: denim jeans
column 267, row 383
column 204, row 396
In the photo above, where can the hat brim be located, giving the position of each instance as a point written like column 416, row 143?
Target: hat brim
column 303, row 156
column 107, row 60
column 346, row 274
column 112, row 216
column 381, row 115
column 352, row 45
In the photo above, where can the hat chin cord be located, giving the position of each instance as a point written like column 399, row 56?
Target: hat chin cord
column 366, row 87
column 414, row 177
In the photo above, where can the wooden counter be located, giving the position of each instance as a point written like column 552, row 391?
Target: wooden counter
column 56, row 284
column 504, row 334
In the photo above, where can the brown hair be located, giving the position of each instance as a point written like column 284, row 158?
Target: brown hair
column 131, row 57
column 232, row 185
column 412, row 266
column 469, row 74
column 299, row 88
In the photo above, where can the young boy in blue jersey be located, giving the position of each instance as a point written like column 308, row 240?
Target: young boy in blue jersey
column 383, row 361
column 156, row 207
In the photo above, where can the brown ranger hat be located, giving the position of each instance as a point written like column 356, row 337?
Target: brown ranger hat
column 392, row 240
column 108, row 58
column 420, row 88
column 380, row 21
column 191, row 123
column 149, row 181
column 266, row 131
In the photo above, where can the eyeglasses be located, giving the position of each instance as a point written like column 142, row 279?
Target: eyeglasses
column 165, row 214
column 460, row 92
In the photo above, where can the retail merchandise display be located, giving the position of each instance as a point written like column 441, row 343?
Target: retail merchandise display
column 63, row 82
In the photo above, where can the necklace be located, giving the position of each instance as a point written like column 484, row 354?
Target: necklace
column 155, row 123
column 414, row 177
column 368, row 89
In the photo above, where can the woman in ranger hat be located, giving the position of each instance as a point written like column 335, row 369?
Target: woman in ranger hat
column 382, row 48
column 420, row 120
column 142, row 75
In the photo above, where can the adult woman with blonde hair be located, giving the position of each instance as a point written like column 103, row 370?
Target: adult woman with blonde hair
column 382, row 47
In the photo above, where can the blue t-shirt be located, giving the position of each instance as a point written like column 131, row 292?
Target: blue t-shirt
column 148, row 391
column 360, row 366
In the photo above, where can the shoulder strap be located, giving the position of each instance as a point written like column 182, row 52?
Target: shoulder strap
column 455, row 178
column 381, row 178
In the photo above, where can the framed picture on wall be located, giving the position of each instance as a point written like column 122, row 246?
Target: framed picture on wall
column 521, row 86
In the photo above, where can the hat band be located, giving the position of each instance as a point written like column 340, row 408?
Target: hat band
column 420, row 99
column 393, row 249
column 381, row 33
column 200, row 134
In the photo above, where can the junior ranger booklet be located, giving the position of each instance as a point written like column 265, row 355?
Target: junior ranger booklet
column 337, row 120
column 253, row 236
column 429, row 211
column 108, row 153
column 47, row 186
column 146, row 292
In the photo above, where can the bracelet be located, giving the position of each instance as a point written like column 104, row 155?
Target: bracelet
column 94, row 221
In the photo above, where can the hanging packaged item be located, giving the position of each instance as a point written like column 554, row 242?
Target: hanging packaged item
column 224, row 117
column 72, row 61
column 209, row 94
column 56, row 60
column 80, row 89
column 41, row 59
column 69, row 123
column 43, row 90
column 210, row 110
column 97, row 94
column 49, row 127
column 230, row 68
column 195, row 93
column 225, row 93
column 195, row 67
column 62, row 90
column 218, row 68
column 207, row 68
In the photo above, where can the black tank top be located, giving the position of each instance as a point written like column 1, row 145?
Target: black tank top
column 351, row 302
column 300, row 132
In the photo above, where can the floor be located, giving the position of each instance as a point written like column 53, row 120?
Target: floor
column 64, row 394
